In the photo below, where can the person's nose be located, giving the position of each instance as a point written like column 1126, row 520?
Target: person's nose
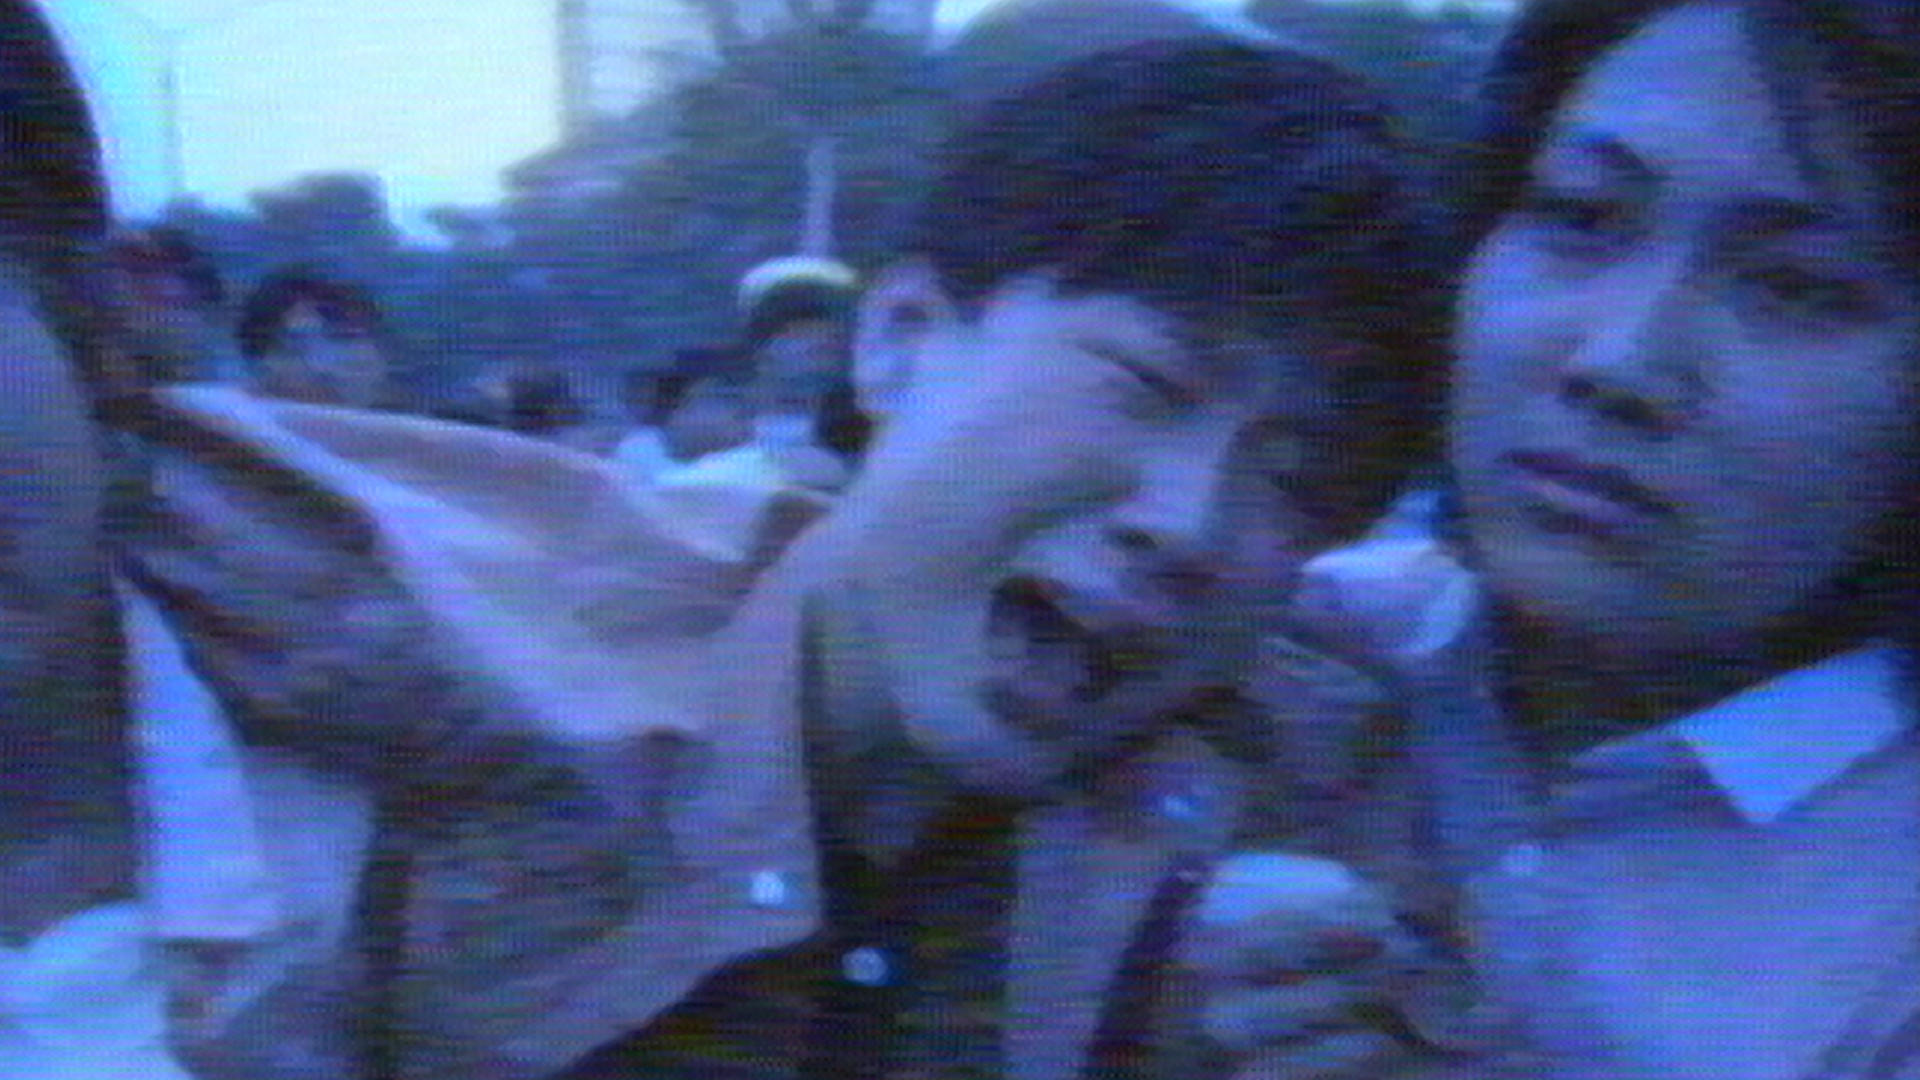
column 1171, row 528
column 1637, row 361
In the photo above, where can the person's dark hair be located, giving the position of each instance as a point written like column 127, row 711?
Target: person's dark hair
column 1226, row 185
column 1866, row 51
column 689, row 366
column 693, row 366
column 339, row 303
column 640, row 392
column 53, row 220
column 796, row 302
column 1866, row 54
column 669, row 391
column 168, row 249
column 53, row 212
column 541, row 401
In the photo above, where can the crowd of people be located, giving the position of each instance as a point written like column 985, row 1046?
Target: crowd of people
column 779, row 399
column 1203, row 610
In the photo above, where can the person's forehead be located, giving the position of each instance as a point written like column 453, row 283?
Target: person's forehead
column 1685, row 106
column 1689, row 95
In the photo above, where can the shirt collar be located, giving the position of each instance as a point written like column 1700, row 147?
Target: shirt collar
column 1771, row 747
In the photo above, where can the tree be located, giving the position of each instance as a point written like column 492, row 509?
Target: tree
column 821, row 63
column 810, row 131
column 1427, row 64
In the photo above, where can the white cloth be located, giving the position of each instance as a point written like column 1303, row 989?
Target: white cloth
column 86, row 1000
column 642, row 455
column 748, row 466
column 242, row 850
column 204, row 874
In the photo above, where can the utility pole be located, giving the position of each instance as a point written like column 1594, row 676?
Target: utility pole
column 576, row 68
column 172, row 38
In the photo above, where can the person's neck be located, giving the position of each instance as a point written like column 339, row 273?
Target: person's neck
column 1568, row 694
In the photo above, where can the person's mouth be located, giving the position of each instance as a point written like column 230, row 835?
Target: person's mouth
column 1573, row 495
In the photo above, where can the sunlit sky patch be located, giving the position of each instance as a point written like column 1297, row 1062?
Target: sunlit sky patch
column 434, row 96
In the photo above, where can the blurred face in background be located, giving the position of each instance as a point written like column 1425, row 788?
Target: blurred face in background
column 798, row 367
column 1684, row 386
column 174, row 332
column 325, row 361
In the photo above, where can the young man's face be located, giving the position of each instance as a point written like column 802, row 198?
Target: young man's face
column 1069, row 521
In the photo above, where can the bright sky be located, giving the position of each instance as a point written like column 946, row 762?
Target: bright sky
column 435, row 96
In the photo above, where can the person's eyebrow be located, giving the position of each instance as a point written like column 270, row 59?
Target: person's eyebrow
column 1613, row 155
column 1764, row 218
column 1759, row 216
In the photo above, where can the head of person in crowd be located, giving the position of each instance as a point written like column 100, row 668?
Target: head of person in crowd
column 57, row 680
column 1683, row 428
column 641, row 388
column 311, row 338
column 703, row 404
column 797, row 313
column 541, row 402
column 1157, row 340
column 172, row 303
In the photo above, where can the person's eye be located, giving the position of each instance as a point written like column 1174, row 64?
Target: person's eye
column 1576, row 224
column 1144, row 372
column 1797, row 292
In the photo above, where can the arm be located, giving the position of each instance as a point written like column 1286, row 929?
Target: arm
column 1305, row 968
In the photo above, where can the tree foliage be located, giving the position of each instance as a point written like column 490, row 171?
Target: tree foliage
column 626, row 243
column 1427, row 63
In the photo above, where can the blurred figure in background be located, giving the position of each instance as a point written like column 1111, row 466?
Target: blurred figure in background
column 798, row 337
column 542, row 402
column 697, row 407
column 707, row 410
column 173, row 305
column 309, row 338
column 650, row 398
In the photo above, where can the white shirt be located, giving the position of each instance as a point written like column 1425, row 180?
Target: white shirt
column 242, row 850
column 1719, row 897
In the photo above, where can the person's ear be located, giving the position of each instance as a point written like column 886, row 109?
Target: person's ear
column 903, row 307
